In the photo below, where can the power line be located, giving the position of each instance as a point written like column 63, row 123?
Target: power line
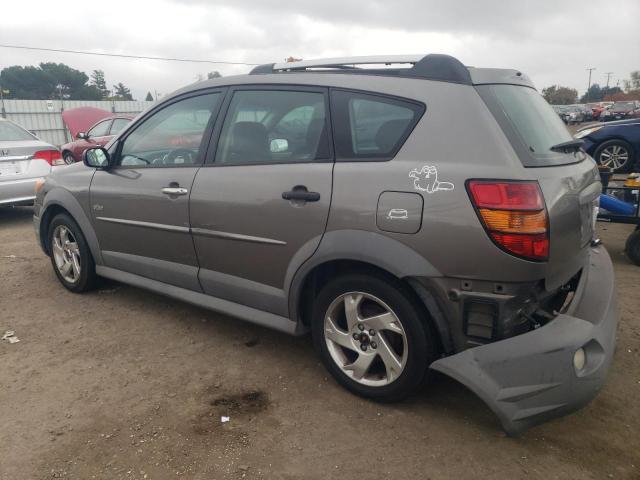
column 143, row 57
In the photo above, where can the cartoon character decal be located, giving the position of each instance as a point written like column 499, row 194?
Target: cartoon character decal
column 426, row 180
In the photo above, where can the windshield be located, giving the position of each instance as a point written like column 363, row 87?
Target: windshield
column 10, row 132
column 529, row 122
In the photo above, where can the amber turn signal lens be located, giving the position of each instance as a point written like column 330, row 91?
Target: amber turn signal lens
column 513, row 221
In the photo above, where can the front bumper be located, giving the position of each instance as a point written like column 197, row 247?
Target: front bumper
column 530, row 378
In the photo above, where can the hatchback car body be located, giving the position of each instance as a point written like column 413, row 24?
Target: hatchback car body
column 613, row 144
column 98, row 134
column 24, row 159
column 420, row 216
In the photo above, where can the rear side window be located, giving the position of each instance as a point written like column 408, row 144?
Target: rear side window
column 274, row 126
column 371, row 127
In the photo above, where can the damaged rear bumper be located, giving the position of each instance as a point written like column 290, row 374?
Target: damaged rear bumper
column 531, row 378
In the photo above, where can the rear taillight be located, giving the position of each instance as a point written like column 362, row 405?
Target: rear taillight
column 514, row 215
column 52, row 157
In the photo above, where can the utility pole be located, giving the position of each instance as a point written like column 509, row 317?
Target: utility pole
column 589, row 86
column 608, row 74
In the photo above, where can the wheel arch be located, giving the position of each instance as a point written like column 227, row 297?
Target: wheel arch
column 61, row 201
column 350, row 251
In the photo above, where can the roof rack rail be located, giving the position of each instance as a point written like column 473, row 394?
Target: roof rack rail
column 438, row 67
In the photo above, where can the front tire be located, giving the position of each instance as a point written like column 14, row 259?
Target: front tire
column 71, row 258
column 69, row 159
column 616, row 154
column 372, row 336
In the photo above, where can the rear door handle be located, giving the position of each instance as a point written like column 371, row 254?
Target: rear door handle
column 175, row 191
column 300, row 193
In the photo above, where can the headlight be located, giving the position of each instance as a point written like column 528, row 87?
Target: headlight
column 587, row 131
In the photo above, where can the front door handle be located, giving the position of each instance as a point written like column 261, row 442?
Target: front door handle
column 175, row 191
column 300, row 193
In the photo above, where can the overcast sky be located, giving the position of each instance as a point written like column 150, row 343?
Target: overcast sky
column 553, row 41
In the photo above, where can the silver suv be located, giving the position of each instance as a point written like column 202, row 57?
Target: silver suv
column 412, row 213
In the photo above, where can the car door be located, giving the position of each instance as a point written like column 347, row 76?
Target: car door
column 259, row 206
column 140, row 204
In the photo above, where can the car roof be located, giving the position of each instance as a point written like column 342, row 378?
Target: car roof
column 434, row 67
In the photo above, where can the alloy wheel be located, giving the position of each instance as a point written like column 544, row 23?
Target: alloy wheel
column 66, row 254
column 614, row 156
column 365, row 339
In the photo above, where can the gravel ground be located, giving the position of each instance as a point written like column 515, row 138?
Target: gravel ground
column 120, row 383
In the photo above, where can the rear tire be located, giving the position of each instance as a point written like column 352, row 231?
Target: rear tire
column 70, row 256
column 616, row 154
column 395, row 344
column 632, row 247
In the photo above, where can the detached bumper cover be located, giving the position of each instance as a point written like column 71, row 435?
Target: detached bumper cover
column 529, row 379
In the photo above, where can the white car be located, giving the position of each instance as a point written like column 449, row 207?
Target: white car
column 24, row 159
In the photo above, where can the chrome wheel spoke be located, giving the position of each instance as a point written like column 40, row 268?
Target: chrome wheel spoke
column 392, row 363
column 385, row 321
column 361, row 365
column 66, row 268
column 351, row 305
column 342, row 338
column 75, row 265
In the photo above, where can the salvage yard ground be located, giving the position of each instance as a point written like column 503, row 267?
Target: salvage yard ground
column 124, row 384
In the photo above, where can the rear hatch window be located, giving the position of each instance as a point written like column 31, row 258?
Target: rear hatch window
column 530, row 123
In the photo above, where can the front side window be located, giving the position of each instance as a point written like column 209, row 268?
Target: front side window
column 172, row 136
column 371, row 126
column 274, row 126
column 118, row 125
column 101, row 129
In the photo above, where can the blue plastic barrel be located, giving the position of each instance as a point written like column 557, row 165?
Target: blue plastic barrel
column 613, row 205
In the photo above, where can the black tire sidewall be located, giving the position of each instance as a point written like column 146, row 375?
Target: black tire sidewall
column 69, row 155
column 632, row 247
column 87, row 267
column 622, row 143
column 421, row 343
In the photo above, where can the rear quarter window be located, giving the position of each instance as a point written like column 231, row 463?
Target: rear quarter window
column 530, row 123
column 371, row 127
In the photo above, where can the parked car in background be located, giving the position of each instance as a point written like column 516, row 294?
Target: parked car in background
column 596, row 109
column 574, row 114
column 365, row 227
column 621, row 111
column 588, row 113
column 24, row 159
column 562, row 111
column 613, row 144
column 96, row 135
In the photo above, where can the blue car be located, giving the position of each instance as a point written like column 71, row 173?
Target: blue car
column 613, row 144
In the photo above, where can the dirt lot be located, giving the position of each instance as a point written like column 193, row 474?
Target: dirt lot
column 124, row 384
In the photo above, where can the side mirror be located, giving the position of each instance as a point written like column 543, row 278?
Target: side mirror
column 279, row 145
column 82, row 136
column 96, row 157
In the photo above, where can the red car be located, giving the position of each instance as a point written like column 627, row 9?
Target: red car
column 102, row 127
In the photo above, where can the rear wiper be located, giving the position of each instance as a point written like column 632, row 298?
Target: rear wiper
column 570, row 146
